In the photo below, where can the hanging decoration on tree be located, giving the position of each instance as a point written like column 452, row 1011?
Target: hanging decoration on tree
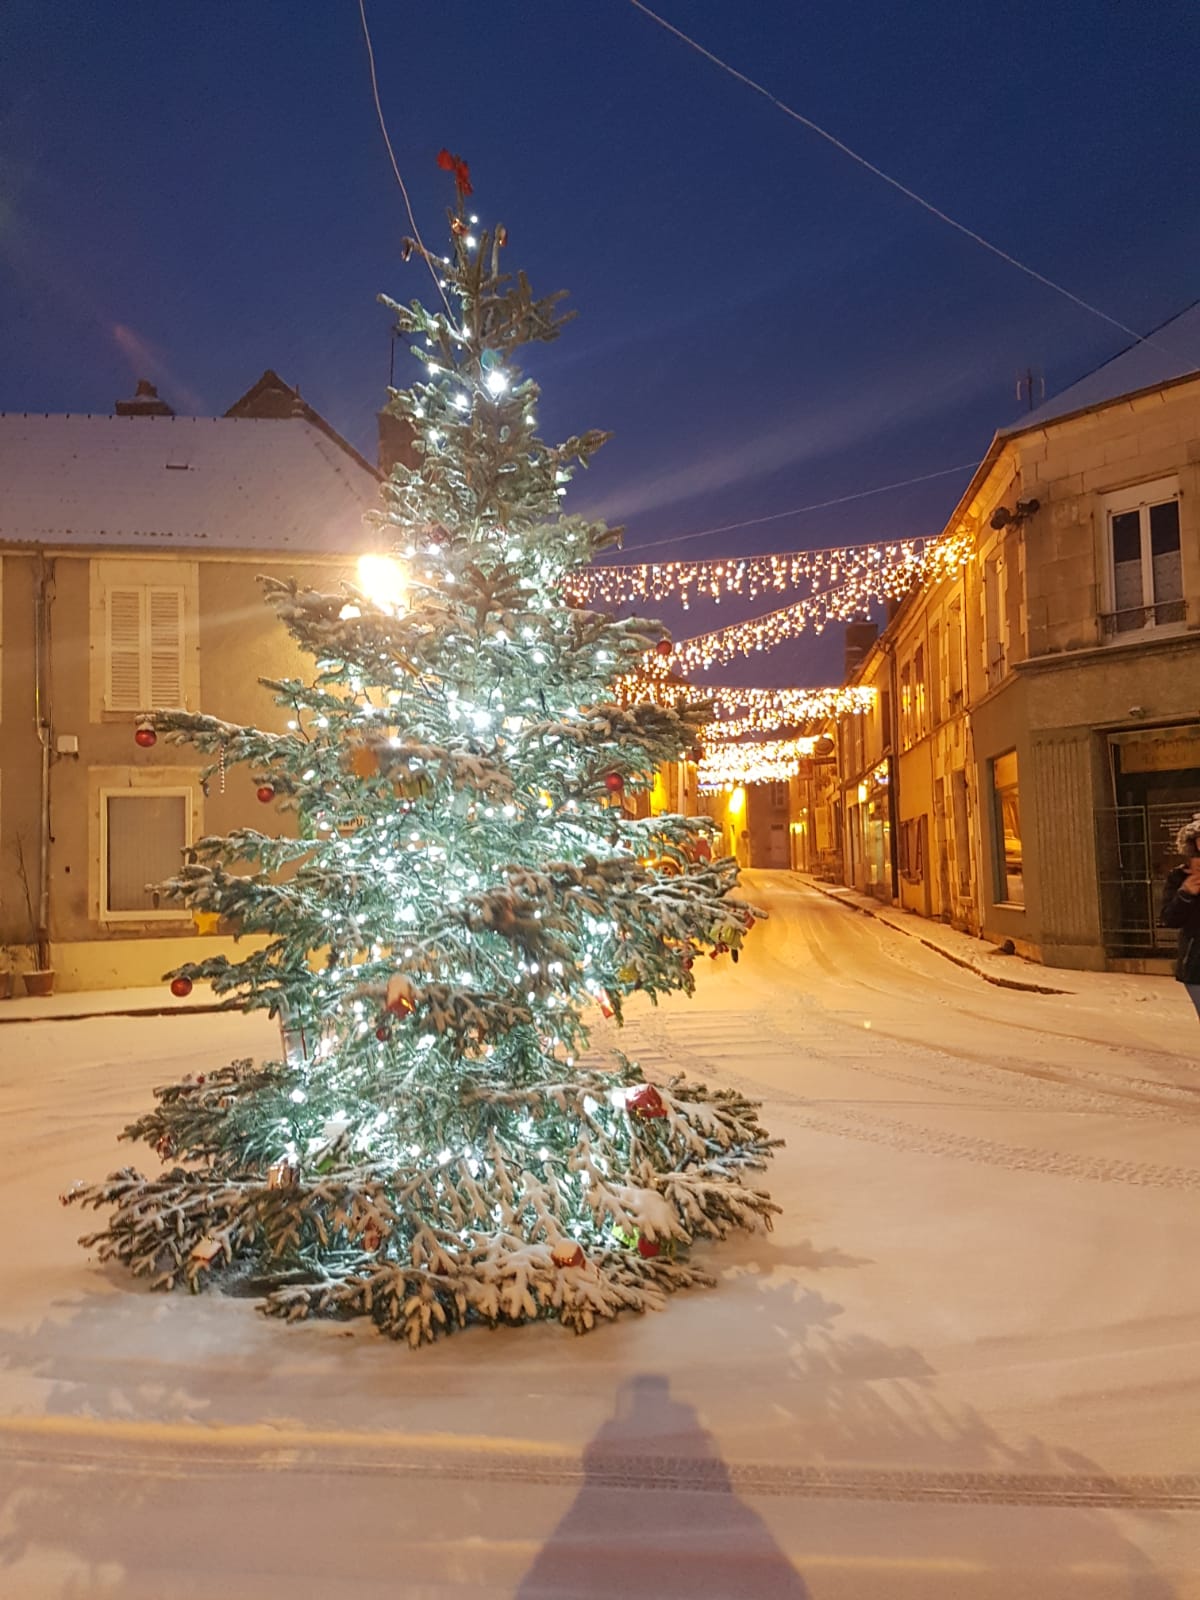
column 877, row 570
column 462, row 175
column 145, row 736
column 461, row 893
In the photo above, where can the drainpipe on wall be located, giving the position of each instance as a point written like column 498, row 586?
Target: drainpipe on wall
column 42, row 724
column 893, row 769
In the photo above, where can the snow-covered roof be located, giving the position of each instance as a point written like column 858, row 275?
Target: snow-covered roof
column 228, row 483
column 1169, row 353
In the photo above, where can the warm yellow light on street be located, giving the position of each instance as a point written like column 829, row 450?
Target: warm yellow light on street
column 381, row 578
column 736, row 803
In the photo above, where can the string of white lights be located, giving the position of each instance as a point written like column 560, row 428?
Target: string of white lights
column 851, row 598
column 750, row 576
column 751, row 722
column 727, row 766
column 738, row 710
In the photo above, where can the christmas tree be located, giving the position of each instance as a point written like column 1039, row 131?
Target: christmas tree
column 465, row 883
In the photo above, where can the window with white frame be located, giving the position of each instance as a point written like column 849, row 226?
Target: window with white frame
column 143, row 834
column 994, row 638
column 954, row 654
column 935, row 675
column 143, row 646
column 920, row 715
column 906, row 706
column 1145, row 572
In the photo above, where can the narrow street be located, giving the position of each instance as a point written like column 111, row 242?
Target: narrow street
column 964, row 1365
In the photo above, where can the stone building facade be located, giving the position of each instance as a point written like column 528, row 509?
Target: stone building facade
column 1037, row 740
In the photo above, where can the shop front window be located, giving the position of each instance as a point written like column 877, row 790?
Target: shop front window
column 1010, row 879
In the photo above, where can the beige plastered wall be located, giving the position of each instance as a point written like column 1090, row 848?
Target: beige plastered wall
column 234, row 640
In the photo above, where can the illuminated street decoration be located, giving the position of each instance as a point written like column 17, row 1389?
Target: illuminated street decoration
column 737, row 710
column 729, row 766
column 872, row 571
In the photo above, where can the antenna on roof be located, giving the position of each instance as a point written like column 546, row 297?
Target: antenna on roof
column 1031, row 387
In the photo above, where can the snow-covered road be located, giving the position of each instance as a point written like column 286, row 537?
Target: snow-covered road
column 966, row 1364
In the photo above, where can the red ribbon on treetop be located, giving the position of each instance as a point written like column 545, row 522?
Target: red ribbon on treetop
column 462, row 173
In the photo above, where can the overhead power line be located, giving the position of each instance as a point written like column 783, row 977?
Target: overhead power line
column 362, row 12
column 886, row 177
column 795, row 511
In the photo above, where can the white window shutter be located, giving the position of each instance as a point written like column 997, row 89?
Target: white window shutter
column 124, row 686
column 165, row 653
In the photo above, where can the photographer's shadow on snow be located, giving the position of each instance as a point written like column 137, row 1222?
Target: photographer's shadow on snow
column 657, row 1516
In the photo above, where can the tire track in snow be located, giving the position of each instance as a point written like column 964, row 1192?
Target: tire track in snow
column 1008, row 1083
column 649, row 1474
column 875, row 1128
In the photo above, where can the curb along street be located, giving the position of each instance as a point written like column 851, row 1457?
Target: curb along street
column 860, row 903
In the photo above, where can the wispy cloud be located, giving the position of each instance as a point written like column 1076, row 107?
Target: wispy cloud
column 823, row 428
column 148, row 361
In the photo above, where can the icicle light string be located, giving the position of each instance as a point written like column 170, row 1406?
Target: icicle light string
column 896, row 563
column 745, row 710
column 855, row 593
column 727, row 766
column 751, row 722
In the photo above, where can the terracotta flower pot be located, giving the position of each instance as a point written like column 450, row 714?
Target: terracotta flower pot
column 38, row 983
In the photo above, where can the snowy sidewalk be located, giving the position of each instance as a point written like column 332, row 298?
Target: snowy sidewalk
column 154, row 1002
column 986, row 960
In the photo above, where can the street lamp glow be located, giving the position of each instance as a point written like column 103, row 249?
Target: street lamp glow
column 382, row 579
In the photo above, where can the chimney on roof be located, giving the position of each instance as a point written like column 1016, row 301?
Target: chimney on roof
column 860, row 636
column 145, row 403
column 395, row 443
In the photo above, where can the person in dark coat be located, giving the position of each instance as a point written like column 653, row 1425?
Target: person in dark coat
column 1181, row 907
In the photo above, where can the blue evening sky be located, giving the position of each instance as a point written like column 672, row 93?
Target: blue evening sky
column 194, row 193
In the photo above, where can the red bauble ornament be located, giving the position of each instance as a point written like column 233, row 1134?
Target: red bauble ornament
column 645, row 1101
column 383, row 1034
column 265, row 793
column 181, row 988
column 647, row 1248
column 614, row 783
column 663, row 647
column 146, row 737
column 567, row 1255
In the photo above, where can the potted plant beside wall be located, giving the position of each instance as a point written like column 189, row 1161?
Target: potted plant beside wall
column 39, row 978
